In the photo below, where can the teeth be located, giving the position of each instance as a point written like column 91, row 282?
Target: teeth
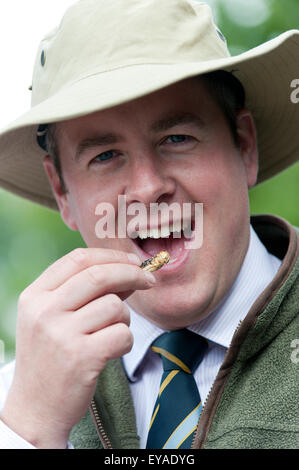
column 155, row 233
column 164, row 232
column 187, row 225
column 177, row 227
column 187, row 229
column 142, row 234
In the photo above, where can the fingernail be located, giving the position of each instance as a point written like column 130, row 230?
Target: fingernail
column 134, row 259
column 150, row 278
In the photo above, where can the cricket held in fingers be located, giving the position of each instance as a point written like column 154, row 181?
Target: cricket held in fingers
column 156, row 262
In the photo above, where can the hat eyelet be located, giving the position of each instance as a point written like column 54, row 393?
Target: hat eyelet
column 221, row 35
column 43, row 58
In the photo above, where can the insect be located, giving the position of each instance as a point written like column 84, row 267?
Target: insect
column 156, row 262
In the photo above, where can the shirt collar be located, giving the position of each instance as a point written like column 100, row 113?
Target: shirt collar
column 144, row 333
column 258, row 269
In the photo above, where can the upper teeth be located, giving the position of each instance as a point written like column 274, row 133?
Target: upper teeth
column 163, row 232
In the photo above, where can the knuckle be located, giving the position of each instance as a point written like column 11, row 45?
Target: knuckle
column 96, row 275
column 127, row 338
column 31, row 310
column 79, row 256
column 115, row 303
column 40, row 318
column 121, row 341
column 127, row 314
column 119, row 310
column 137, row 274
column 125, row 333
column 24, row 298
column 38, row 326
column 115, row 255
column 29, row 300
column 69, row 352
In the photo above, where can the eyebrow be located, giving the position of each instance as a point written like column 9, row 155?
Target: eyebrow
column 173, row 120
column 164, row 124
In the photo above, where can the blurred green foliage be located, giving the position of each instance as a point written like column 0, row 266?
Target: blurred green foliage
column 32, row 237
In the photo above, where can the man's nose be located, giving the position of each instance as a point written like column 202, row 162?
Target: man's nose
column 148, row 181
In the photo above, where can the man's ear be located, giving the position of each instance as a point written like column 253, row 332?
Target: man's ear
column 248, row 145
column 60, row 193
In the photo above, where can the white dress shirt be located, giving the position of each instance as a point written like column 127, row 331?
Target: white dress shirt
column 144, row 368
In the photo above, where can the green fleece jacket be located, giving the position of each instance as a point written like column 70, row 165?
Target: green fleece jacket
column 253, row 403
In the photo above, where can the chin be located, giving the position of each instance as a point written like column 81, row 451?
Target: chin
column 176, row 311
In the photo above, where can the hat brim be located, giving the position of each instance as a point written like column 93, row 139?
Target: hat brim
column 266, row 73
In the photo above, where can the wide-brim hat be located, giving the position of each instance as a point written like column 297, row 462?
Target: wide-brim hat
column 105, row 53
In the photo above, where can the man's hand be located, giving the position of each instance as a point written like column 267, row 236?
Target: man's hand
column 71, row 321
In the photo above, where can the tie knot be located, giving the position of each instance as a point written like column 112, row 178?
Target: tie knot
column 180, row 349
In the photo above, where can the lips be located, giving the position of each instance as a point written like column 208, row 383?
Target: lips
column 151, row 241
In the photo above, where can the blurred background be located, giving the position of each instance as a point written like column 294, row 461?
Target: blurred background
column 32, row 237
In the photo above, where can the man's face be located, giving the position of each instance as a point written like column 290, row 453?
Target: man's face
column 171, row 146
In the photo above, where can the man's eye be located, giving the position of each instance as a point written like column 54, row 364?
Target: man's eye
column 102, row 157
column 177, row 139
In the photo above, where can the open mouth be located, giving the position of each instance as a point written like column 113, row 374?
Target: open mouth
column 172, row 239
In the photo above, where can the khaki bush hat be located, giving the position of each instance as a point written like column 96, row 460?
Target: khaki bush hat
column 107, row 52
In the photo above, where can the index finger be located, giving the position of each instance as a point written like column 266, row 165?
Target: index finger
column 78, row 260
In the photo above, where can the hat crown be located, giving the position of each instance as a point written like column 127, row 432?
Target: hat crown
column 99, row 35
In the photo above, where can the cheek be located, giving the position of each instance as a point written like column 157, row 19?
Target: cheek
column 83, row 202
column 96, row 218
column 227, row 206
column 219, row 176
column 204, row 180
column 219, row 182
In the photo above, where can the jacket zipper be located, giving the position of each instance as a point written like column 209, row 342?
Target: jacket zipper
column 207, row 400
column 209, row 393
column 99, row 425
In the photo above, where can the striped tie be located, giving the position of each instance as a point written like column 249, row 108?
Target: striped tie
column 178, row 406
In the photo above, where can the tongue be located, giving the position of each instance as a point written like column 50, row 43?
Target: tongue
column 174, row 246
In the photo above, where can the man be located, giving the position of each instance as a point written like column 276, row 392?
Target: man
column 149, row 107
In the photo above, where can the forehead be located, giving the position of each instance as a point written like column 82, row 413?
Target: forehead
column 184, row 97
